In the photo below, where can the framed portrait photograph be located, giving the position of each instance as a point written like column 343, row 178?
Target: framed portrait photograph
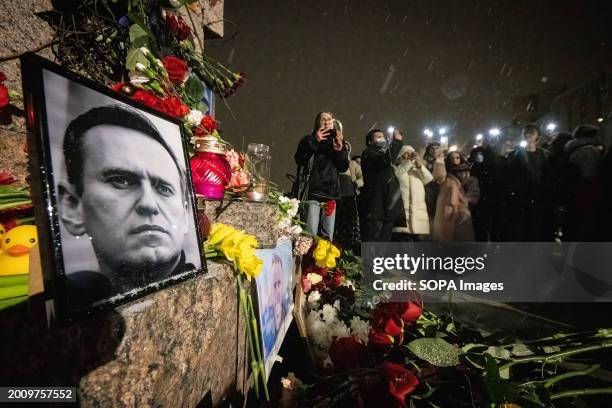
column 112, row 191
column 275, row 298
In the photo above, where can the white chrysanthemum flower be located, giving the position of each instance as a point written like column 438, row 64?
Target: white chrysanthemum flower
column 313, row 299
column 328, row 313
column 360, row 328
column 349, row 283
column 283, row 199
column 317, row 329
column 194, row 117
column 338, row 329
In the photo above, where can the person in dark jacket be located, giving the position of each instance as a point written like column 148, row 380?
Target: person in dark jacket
column 526, row 192
column 586, row 203
column 324, row 155
column 483, row 163
column 381, row 195
column 431, row 189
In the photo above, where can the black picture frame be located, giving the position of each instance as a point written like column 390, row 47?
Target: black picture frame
column 58, row 306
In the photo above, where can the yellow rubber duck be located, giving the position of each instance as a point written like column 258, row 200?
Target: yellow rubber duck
column 16, row 245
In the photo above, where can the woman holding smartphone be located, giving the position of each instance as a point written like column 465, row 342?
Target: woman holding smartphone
column 322, row 155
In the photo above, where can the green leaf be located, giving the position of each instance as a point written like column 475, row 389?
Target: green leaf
column 521, row 350
column 435, row 351
column 194, row 88
column 135, row 56
column 139, row 37
column 498, row 352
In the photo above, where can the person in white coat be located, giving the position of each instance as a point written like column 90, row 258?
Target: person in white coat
column 412, row 176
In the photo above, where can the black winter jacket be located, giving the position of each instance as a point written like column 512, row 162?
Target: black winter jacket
column 383, row 200
column 324, row 182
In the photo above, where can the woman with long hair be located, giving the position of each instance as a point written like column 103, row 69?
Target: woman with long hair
column 322, row 155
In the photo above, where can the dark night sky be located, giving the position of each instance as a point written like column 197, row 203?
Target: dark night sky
column 408, row 63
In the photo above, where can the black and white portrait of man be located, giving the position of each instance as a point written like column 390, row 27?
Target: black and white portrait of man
column 123, row 201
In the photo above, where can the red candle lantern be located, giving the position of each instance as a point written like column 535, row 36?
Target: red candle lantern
column 210, row 170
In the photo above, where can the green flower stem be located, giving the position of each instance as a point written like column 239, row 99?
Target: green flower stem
column 579, row 392
column 552, row 381
column 244, row 307
column 257, row 347
column 556, row 356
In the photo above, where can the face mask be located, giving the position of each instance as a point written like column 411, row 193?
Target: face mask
column 381, row 143
column 479, row 158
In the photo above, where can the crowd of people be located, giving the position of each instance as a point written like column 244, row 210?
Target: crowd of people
column 550, row 187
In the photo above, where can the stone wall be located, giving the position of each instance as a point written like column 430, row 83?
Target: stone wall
column 175, row 348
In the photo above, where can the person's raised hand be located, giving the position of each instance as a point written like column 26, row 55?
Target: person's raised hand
column 417, row 160
column 397, row 135
column 321, row 135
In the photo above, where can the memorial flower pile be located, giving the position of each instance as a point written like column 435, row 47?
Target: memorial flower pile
column 381, row 351
column 167, row 86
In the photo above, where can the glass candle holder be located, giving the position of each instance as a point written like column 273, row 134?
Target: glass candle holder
column 259, row 158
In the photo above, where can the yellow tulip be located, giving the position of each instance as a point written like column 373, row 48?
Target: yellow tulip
column 218, row 232
column 230, row 246
column 251, row 266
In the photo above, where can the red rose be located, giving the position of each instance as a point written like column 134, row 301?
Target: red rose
column 400, row 382
column 410, row 311
column 177, row 27
column 379, row 343
column 4, row 96
column 347, row 353
column 177, row 68
column 385, row 319
column 173, row 106
column 330, row 206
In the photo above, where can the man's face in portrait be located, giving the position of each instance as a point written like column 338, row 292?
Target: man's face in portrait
column 132, row 205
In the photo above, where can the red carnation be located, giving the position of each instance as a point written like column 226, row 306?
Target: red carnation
column 207, row 125
column 177, row 27
column 400, row 382
column 330, row 206
column 173, row 106
column 146, row 98
column 177, row 68
column 347, row 353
